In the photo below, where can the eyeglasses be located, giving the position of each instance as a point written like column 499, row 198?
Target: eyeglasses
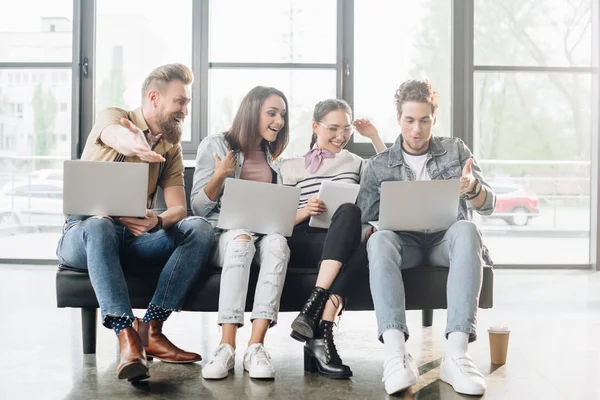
column 335, row 130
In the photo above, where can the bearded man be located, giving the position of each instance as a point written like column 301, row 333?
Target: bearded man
column 172, row 241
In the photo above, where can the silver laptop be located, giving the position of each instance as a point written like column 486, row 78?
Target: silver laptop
column 117, row 189
column 258, row 207
column 418, row 205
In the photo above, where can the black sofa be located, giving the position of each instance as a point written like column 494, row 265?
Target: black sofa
column 425, row 288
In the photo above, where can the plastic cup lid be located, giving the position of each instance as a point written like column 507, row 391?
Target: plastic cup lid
column 498, row 329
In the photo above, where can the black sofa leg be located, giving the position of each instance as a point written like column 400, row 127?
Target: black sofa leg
column 427, row 317
column 89, row 317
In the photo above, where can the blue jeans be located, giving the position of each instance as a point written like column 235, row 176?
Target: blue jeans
column 98, row 244
column 458, row 248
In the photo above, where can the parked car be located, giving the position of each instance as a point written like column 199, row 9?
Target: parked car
column 515, row 204
column 31, row 201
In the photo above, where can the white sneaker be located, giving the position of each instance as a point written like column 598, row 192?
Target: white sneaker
column 223, row 361
column 462, row 374
column 256, row 362
column 399, row 372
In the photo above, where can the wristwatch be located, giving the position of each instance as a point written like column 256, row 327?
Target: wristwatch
column 158, row 225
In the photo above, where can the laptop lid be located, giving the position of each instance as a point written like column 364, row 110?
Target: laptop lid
column 117, row 189
column 258, row 207
column 419, row 205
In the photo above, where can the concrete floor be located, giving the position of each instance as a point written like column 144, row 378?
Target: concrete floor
column 554, row 348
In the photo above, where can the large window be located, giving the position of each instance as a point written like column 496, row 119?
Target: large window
column 228, row 87
column 411, row 40
column 518, row 82
column 273, row 31
column 290, row 45
column 533, row 127
column 132, row 38
column 36, row 31
column 35, row 125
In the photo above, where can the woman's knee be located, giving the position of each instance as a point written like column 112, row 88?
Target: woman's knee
column 242, row 238
column 348, row 211
column 240, row 249
column 277, row 245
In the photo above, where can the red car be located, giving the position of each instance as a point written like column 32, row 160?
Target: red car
column 514, row 204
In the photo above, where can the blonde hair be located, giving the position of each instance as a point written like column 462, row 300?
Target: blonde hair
column 165, row 74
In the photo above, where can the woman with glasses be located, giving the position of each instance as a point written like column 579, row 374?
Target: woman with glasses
column 337, row 251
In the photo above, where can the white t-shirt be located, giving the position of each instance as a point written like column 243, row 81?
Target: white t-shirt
column 417, row 164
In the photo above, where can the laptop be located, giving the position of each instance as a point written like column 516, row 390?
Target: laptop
column 117, row 189
column 333, row 194
column 258, row 207
column 418, row 205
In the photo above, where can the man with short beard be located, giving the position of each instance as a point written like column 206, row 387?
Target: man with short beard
column 172, row 241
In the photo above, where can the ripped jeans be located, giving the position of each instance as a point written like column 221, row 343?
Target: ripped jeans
column 235, row 256
column 98, row 245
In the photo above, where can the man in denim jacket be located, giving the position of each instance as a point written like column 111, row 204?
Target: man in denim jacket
column 416, row 155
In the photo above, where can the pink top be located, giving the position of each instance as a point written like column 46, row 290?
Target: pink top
column 256, row 168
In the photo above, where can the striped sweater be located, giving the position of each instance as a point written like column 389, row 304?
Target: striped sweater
column 345, row 167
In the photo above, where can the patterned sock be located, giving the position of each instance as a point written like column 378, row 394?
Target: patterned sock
column 118, row 323
column 156, row 313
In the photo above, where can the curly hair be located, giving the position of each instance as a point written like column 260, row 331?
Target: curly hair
column 417, row 91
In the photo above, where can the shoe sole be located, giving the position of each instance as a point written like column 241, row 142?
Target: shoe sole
column 217, row 377
column 334, row 375
column 301, row 331
column 133, row 372
column 268, row 375
column 398, row 388
column 150, row 358
column 460, row 390
column 312, row 366
column 295, row 335
column 262, row 376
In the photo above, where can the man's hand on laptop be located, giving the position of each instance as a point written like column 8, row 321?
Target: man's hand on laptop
column 139, row 226
column 136, row 144
column 467, row 180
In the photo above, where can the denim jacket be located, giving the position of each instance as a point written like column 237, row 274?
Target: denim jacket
column 445, row 160
column 205, row 168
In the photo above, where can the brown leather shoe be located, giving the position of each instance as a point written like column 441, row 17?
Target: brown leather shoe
column 133, row 365
column 158, row 346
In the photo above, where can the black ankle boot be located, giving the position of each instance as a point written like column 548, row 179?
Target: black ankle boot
column 320, row 354
column 303, row 327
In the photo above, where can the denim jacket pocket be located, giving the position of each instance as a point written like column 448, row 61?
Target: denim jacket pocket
column 451, row 170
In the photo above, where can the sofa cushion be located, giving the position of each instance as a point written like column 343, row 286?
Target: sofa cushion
column 425, row 288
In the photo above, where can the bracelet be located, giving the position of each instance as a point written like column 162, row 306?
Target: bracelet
column 370, row 232
column 476, row 194
column 158, row 225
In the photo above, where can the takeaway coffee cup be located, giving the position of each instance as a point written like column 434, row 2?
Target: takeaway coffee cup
column 498, row 343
